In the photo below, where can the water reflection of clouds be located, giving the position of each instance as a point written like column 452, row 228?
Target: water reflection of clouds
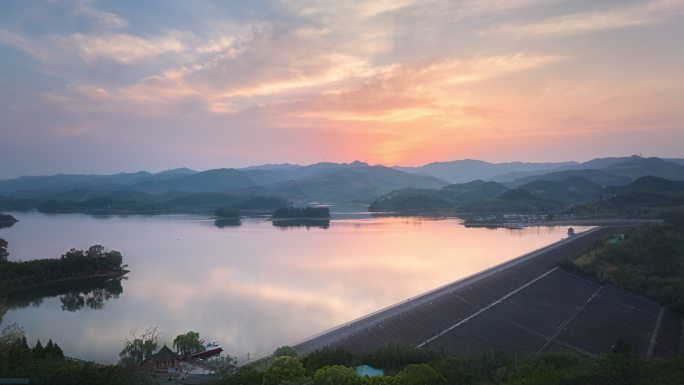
column 254, row 287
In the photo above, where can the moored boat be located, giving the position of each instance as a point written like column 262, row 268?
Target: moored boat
column 210, row 350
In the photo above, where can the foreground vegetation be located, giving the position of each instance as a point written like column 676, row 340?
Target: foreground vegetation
column 3, row 250
column 408, row 366
column 48, row 365
column 647, row 260
column 336, row 366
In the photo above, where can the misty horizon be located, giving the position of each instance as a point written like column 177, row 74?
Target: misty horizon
column 293, row 164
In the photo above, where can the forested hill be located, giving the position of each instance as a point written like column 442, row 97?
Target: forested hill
column 184, row 189
column 550, row 186
column 602, row 171
column 646, row 196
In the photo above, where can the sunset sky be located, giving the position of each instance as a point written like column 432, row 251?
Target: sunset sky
column 109, row 86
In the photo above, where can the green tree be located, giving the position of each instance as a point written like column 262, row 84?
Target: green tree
column 222, row 365
column 188, row 343
column 3, row 249
column 543, row 375
column 284, row 370
column 419, row 374
column 95, row 251
column 53, row 351
column 335, row 375
column 140, row 348
column 326, row 356
column 285, row 351
column 38, row 350
column 382, row 380
column 451, row 368
column 622, row 347
column 12, row 334
column 244, row 377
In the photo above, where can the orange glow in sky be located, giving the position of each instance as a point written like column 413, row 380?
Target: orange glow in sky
column 216, row 84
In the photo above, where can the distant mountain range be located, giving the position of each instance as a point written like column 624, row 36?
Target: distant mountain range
column 338, row 183
column 648, row 196
column 619, row 170
column 181, row 189
column 468, row 170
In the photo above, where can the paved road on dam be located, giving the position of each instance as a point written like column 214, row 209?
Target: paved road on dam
column 528, row 304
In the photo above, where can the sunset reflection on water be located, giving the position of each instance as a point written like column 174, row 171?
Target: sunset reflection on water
column 252, row 287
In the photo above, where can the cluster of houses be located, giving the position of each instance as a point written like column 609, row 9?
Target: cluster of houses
column 523, row 218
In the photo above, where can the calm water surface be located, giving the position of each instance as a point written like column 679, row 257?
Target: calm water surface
column 253, row 287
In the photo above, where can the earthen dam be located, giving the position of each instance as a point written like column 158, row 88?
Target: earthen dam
column 528, row 304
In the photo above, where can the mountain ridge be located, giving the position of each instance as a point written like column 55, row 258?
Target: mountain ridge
column 354, row 182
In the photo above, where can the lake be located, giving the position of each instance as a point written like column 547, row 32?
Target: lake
column 251, row 287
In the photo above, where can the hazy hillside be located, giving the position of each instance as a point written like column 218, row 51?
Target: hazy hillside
column 675, row 160
column 293, row 171
column 618, row 171
column 518, row 173
column 568, row 191
column 600, row 163
column 178, row 171
column 36, row 186
column 472, row 197
column 600, row 177
column 594, row 164
column 452, row 197
column 647, row 196
column 340, row 183
column 224, row 179
column 467, row 170
column 637, row 167
column 653, row 184
column 358, row 184
column 475, row 190
column 355, row 182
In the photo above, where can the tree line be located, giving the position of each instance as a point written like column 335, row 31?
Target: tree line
column 648, row 259
column 302, row 213
column 409, row 366
column 72, row 264
column 48, row 364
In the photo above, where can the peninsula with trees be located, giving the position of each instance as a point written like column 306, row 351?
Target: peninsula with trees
column 93, row 264
column 7, row 220
column 72, row 266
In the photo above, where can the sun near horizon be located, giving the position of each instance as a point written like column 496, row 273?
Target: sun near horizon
column 152, row 86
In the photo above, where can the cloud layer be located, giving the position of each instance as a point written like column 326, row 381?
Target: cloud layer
column 212, row 84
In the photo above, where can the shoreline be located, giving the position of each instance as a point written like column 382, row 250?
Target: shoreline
column 96, row 275
column 569, row 222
